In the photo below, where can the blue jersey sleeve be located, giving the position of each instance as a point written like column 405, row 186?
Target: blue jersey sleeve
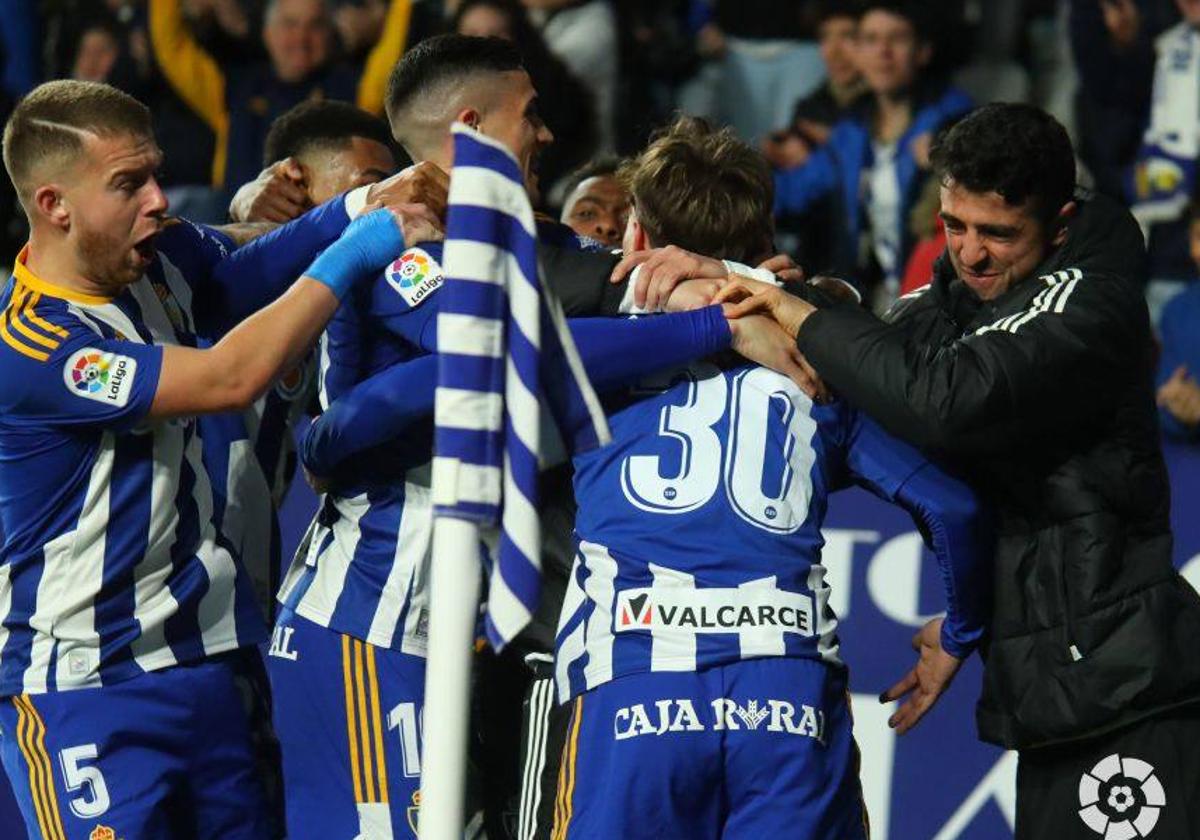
column 87, row 380
column 614, row 352
column 403, row 299
column 373, row 412
column 252, row 276
column 948, row 513
column 194, row 249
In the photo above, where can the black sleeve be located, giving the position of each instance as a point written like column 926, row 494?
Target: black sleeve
column 580, row 280
column 1055, row 363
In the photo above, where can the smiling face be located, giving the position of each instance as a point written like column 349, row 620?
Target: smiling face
column 115, row 208
column 994, row 245
column 297, row 35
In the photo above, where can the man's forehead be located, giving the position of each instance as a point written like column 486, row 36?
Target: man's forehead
column 366, row 153
column 982, row 207
column 121, row 151
column 601, row 189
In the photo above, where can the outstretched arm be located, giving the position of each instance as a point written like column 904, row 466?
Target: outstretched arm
column 232, row 373
column 614, row 353
column 955, row 526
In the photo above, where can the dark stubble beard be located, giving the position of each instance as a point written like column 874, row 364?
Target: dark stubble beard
column 107, row 260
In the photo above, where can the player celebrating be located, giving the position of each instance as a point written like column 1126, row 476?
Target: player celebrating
column 696, row 642
column 356, row 601
column 126, row 645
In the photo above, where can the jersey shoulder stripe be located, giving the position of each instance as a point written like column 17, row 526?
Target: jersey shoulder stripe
column 27, row 323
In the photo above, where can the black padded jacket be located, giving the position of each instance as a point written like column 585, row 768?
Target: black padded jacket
column 1043, row 398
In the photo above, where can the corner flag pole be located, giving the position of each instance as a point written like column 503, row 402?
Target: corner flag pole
column 453, row 605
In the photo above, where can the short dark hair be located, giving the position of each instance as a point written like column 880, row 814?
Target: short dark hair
column 704, row 190
column 321, row 124
column 594, row 168
column 444, row 58
column 915, row 13
column 832, row 9
column 1016, row 150
column 50, row 124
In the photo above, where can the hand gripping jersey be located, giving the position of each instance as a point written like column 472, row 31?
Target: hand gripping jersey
column 112, row 565
column 699, row 528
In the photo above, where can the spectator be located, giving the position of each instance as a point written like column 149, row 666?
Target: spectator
column 812, row 124
column 239, row 102
column 1113, row 46
column 583, row 33
column 1179, row 363
column 876, row 160
column 770, row 61
column 1164, row 172
column 565, row 102
column 815, row 115
column 597, row 204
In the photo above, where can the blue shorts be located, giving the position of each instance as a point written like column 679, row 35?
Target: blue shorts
column 753, row 749
column 348, row 717
column 168, row 753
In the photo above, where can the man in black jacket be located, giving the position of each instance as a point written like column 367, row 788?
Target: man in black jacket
column 1026, row 363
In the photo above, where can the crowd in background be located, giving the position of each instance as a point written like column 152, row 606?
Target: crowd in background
column 844, row 107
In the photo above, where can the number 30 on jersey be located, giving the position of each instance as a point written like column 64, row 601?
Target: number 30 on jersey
column 764, row 464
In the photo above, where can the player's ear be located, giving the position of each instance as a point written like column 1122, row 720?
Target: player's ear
column 50, row 204
column 470, row 116
column 638, row 239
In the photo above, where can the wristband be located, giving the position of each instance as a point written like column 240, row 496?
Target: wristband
column 368, row 244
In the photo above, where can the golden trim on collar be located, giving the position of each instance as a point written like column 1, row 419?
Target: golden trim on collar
column 22, row 273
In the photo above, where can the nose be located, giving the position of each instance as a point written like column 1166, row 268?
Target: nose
column 156, row 200
column 973, row 251
column 606, row 230
column 544, row 135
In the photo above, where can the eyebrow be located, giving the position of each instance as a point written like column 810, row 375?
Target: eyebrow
column 126, row 170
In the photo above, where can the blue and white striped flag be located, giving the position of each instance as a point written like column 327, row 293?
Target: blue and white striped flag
column 504, row 352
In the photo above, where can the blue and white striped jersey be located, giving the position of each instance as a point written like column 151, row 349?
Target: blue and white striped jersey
column 112, row 564
column 699, row 527
column 364, row 568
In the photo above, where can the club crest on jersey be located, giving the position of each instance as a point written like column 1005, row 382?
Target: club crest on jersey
column 415, row 276
column 414, row 811
column 96, row 375
column 747, row 608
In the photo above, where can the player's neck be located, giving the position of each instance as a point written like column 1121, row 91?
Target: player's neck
column 55, row 262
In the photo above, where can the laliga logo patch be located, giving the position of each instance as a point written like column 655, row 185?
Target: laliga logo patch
column 415, row 275
column 96, row 375
column 102, row 832
column 1120, row 798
